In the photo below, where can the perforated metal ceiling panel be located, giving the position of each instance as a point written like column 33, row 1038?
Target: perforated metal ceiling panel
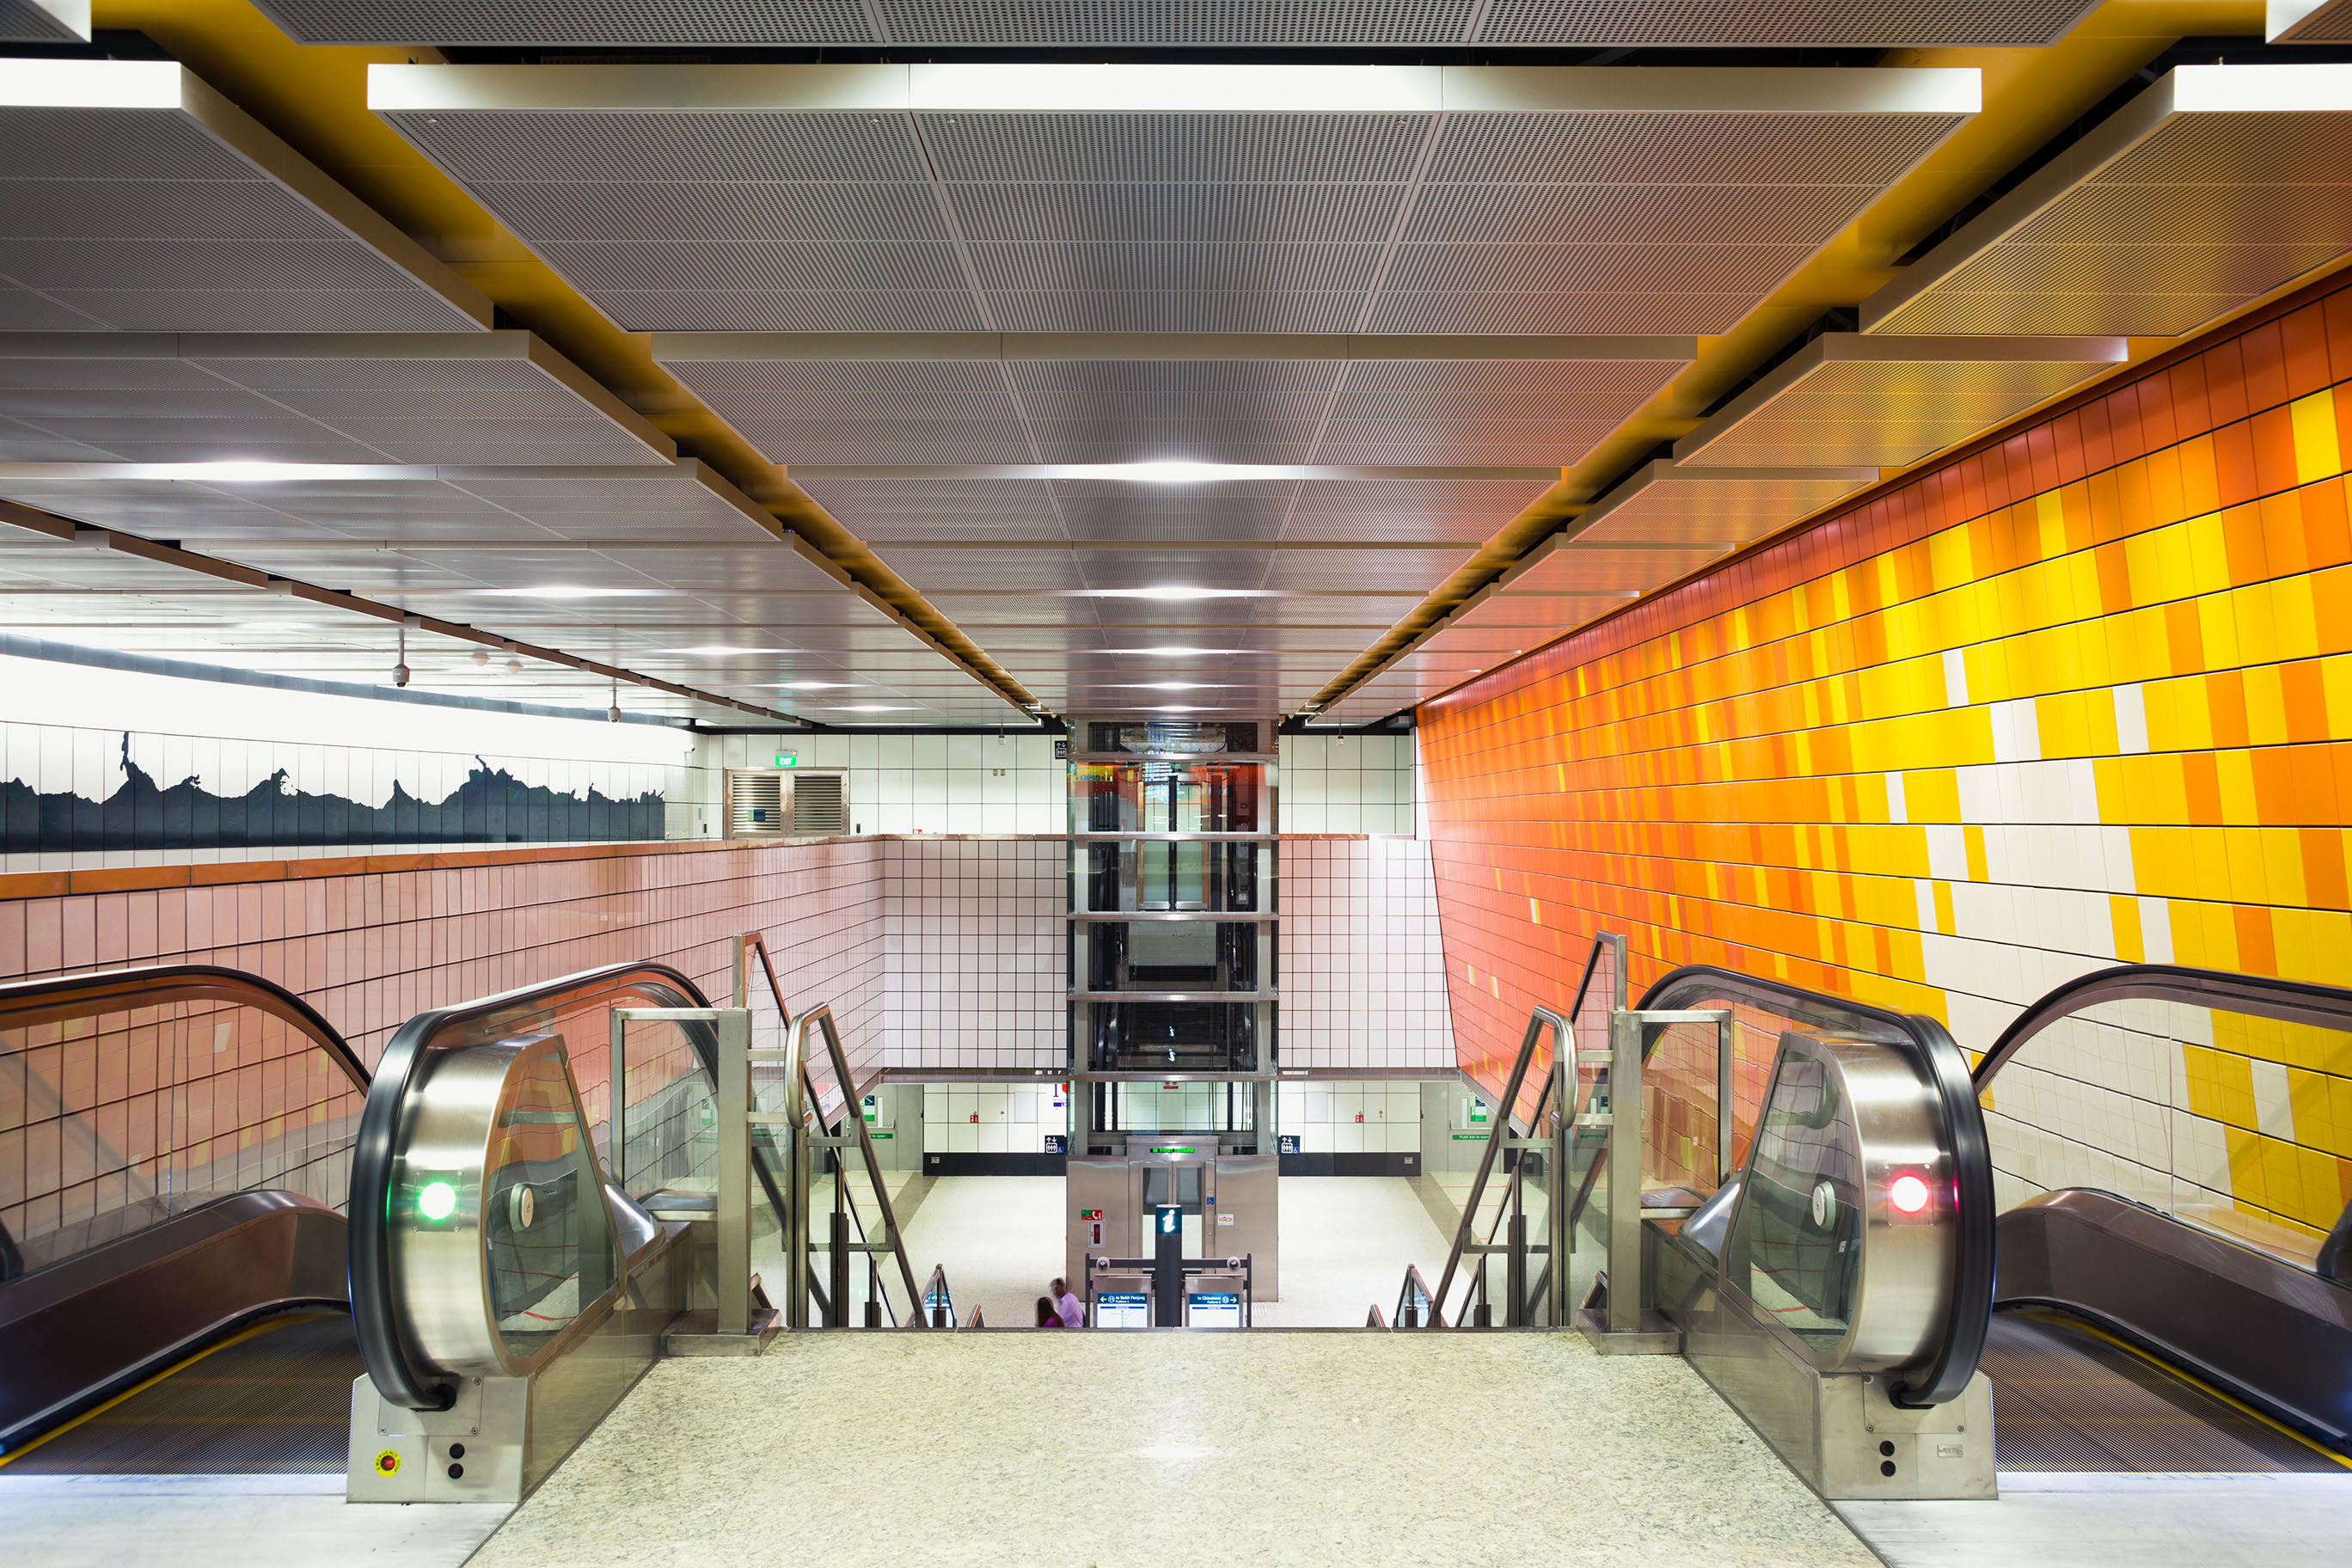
column 1178, row 199
column 1576, row 567
column 455, row 398
column 134, row 198
column 2215, row 186
column 1668, row 504
column 2308, row 21
column 44, row 21
column 1164, row 21
column 1510, row 410
column 1890, row 401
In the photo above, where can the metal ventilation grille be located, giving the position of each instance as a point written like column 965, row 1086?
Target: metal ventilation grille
column 2187, row 202
column 1890, row 401
column 820, row 805
column 551, row 22
column 759, row 804
column 1858, row 23
column 1861, row 23
column 146, row 220
column 45, row 21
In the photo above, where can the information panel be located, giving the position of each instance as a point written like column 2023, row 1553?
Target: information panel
column 1122, row 1309
column 1214, row 1310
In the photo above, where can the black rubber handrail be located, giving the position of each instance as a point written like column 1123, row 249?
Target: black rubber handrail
column 2288, row 1001
column 2257, row 995
column 1969, row 1316
column 24, row 1003
column 396, row 1371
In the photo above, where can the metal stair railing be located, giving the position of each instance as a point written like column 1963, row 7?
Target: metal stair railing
column 804, row 1115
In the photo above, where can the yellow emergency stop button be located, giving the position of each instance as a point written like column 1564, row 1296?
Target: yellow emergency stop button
column 387, row 1463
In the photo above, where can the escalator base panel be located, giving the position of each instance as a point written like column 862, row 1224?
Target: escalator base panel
column 275, row 1401
column 2066, row 1400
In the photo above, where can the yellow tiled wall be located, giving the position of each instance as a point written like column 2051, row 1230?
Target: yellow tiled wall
column 2076, row 697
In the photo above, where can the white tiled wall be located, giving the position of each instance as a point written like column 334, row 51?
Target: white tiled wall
column 992, row 1117
column 928, row 783
column 1347, row 783
column 1363, row 973
column 1342, row 1118
column 976, row 968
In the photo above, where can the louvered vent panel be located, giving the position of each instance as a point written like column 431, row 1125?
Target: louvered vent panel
column 820, row 805
column 2304, row 22
column 759, row 804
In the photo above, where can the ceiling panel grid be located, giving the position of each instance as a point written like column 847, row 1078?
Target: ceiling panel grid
column 437, row 398
column 2213, row 186
column 1030, row 216
column 134, row 198
column 1115, row 22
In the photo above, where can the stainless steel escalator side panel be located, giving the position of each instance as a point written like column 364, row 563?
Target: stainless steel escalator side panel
column 2258, row 1328
column 80, row 1331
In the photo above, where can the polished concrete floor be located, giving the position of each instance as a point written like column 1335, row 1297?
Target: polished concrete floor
column 1345, row 1245
column 1114, row 1449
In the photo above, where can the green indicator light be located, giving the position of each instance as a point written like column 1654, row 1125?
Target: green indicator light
column 788, row 758
column 436, row 1200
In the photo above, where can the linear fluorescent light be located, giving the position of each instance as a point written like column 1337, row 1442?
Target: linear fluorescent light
column 720, row 651
column 1169, row 685
column 1176, row 592
column 570, row 591
column 811, row 685
column 1176, row 652
column 872, row 708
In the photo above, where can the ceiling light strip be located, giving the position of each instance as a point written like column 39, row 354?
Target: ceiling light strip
column 65, row 530
column 1150, row 348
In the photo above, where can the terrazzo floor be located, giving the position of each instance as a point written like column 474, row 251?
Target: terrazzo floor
column 1100, row 1451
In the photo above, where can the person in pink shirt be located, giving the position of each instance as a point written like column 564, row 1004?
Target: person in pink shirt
column 1073, row 1310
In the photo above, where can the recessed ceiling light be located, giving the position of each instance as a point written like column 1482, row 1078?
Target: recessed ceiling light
column 811, row 685
column 1174, row 652
column 256, row 472
column 1177, row 591
column 1169, row 685
column 1174, row 708
column 570, row 591
column 1171, row 473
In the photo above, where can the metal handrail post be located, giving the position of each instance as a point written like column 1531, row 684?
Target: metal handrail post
column 1563, row 1121
column 1722, row 1118
column 734, row 1214
column 1625, row 1042
column 616, row 1109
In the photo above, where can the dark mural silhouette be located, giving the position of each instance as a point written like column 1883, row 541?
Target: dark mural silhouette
column 491, row 806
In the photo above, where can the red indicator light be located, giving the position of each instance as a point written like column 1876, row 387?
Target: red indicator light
column 1907, row 1194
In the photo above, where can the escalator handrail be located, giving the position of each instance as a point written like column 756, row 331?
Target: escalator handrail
column 1969, row 1317
column 25, row 1004
column 2258, row 995
column 394, row 1370
column 2262, row 996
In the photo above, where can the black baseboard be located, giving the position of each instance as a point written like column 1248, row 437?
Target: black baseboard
column 1351, row 1165
column 995, row 1164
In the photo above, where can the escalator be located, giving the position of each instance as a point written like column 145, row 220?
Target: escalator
column 2156, row 1329
column 172, row 1298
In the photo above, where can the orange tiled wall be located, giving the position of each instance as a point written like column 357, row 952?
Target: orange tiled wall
column 2080, row 697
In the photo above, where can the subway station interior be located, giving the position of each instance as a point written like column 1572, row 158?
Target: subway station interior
column 1453, row 782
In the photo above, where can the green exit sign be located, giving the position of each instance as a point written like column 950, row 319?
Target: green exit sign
column 788, row 758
